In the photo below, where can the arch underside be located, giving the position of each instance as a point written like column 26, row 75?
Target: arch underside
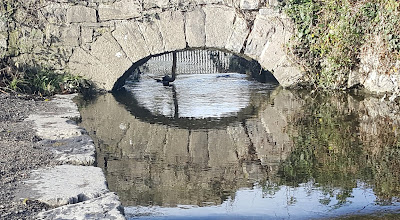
column 132, row 42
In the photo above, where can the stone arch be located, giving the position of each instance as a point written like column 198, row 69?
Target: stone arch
column 261, row 36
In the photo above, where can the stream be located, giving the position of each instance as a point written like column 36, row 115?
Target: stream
column 218, row 144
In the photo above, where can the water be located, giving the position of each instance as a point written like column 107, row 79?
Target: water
column 223, row 146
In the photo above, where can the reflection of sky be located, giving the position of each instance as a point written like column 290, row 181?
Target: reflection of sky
column 214, row 95
column 302, row 202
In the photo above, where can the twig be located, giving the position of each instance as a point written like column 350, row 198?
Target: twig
column 3, row 91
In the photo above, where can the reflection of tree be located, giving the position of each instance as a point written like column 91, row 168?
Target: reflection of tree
column 329, row 151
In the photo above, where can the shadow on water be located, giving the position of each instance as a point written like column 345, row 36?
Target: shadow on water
column 279, row 155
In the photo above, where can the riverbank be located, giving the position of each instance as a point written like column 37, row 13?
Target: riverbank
column 46, row 166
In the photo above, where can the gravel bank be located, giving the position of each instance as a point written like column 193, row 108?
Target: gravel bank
column 19, row 154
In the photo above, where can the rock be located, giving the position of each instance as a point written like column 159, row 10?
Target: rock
column 129, row 37
column 119, row 10
column 249, row 4
column 111, row 55
column 195, row 29
column 84, row 64
column 79, row 150
column 239, row 34
column 70, row 35
column 79, row 14
column 87, row 34
column 172, row 29
column 152, row 35
column 103, row 207
column 148, row 4
column 65, row 184
column 381, row 83
column 54, row 128
column 218, row 33
column 266, row 44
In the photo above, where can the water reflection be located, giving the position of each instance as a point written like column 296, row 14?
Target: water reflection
column 298, row 156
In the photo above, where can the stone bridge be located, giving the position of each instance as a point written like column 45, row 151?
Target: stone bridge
column 104, row 39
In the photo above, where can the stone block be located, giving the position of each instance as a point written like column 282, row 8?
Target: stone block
column 119, row 10
column 3, row 40
column 3, row 25
column 65, row 184
column 381, row 83
column 239, row 34
column 172, row 30
column 55, row 13
column 54, row 128
column 86, row 34
column 83, row 64
column 152, row 35
column 70, row 35
column 107, row 50
column 195, row 28
column 249, row 4
column 107, row 206
column 240, row 139
column 218, row 25
column 148, row 4
column 260, row 36
column 129, row 37
column 80, row 14
column 267, row 44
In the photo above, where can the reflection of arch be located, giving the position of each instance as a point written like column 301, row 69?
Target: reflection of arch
column 127, row 99
column 210, row 26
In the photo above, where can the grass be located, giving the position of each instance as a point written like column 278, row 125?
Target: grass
column 333, row 35
column 38, row 81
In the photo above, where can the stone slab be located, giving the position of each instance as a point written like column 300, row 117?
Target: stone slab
column 239, row 35
column 79, row 14
column 129, row 37
column 112, row 56
column 103, row 207
column 119, row 10
column 195, row 28
column 65, row 184
column 152, row 35
column 218, row 33
column 79, row 150
column 172, row 29
column 84, row 64
column 54, row 128
column 249, row 4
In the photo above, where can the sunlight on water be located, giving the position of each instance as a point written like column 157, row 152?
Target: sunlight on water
column 230, row 93
column 303, row 202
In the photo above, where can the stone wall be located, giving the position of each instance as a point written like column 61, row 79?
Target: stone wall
column 102, row 39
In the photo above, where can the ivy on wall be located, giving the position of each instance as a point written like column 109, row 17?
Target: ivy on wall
column 332, row 35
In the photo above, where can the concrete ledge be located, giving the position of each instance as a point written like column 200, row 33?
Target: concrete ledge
column 104, row 207
column 81, row 191
column 65, row 184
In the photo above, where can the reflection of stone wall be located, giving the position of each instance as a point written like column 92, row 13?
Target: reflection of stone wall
column 152, row 162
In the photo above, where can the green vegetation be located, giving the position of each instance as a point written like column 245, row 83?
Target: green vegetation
column 38, row 81
column 332, row 36
column 335, row 148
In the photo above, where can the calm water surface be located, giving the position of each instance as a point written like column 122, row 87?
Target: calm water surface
column 223, row 146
